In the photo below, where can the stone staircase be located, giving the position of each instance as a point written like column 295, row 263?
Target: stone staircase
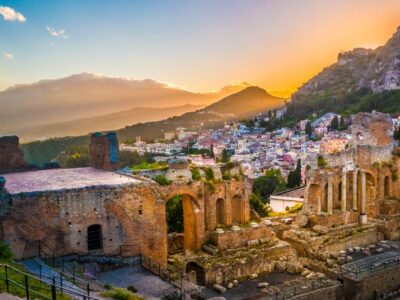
column 50, row 275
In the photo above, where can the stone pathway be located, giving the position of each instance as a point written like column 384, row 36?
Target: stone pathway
column 146, row 283
column 4, row 296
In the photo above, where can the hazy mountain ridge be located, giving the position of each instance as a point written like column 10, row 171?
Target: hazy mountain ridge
column 244, row 104
column 101, row 123
column 88, row 95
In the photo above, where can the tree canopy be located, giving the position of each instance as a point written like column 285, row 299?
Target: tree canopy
column 271, row 182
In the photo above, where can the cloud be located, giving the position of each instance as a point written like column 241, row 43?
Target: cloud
column 8, row 56
column 57, row 33
column 9, row 14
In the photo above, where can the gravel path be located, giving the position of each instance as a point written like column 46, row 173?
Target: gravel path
column 146, row 283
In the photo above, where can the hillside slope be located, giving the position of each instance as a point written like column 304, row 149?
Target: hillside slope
column 361, row 79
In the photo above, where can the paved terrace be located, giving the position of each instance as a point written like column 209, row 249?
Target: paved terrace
column 63, row 179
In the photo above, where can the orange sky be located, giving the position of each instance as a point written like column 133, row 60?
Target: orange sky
column 199, row 45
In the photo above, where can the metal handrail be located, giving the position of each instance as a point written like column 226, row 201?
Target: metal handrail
column 53, row 286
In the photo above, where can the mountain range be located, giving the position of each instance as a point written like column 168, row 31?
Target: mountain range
column 243, row 104
column 79, row 97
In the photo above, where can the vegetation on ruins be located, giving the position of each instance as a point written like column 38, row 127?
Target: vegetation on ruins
column 121, row 294
column 174, row 211
column 162, row 180
column 209, row 173
column 145, row 165
column 258, row 206
column 321, row 162
column 196, row 176
column 272, row 182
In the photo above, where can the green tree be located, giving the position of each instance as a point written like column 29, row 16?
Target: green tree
column 291, row 180
column 196, row 176
column 334, row 123
column 308, row 129
column 225, row 157
column 162, row 180
column 342, row 125
column 271, row 182
column 297, row 173
column 209, row 173
column 174, row 210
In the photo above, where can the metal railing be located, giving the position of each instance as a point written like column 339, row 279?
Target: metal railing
column 363, row 271
column 31, row 292
column 48, row 255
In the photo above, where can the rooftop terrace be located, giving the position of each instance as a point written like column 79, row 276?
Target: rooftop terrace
column 63, row 179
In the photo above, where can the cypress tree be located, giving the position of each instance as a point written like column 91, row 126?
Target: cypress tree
column 308, row 129
column 334, row 123
column 297, row 173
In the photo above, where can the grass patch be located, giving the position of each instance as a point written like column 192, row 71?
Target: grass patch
column 149, row 166
column 121, row 294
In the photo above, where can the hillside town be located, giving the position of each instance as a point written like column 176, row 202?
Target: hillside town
column 255, row 149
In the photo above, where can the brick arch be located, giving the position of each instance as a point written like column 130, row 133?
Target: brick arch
column 127, row 223
column 192, row 214
column 174, row 190
column 237, row 209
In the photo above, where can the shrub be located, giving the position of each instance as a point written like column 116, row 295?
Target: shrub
column 5, row 251
column 196, row 174
column 258, row 206
column 209, row 174
column 131, row 288
column 321, row 162
column 226, row 176
column 162, row 180
column 121, row 294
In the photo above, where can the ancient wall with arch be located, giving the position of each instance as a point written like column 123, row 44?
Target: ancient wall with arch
column 132, row 218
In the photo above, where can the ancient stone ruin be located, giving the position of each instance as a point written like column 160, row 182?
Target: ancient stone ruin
column 11, row 156
column 348, row 229
column 104, row 151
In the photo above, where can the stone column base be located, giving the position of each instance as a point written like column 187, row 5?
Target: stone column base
column 363, row 219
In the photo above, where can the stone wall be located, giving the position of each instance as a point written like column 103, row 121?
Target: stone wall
column 243, row 268
column 132, row 216
column 383, row 281
column 235, row 239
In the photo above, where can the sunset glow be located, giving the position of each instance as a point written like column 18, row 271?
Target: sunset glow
column 199, row 45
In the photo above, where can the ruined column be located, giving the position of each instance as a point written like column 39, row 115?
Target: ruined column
column 318, row 205
column 330, row 194
column 363, row 216
column 355, row 173
column 343, row 191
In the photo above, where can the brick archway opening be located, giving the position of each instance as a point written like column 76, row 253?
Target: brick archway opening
column 181, row 219
column 387, row 187
column 195, row 273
